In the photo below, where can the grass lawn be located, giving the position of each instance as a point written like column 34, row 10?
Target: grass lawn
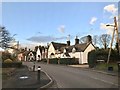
column 104, row 66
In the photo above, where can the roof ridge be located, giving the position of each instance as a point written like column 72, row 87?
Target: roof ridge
column 58, row 43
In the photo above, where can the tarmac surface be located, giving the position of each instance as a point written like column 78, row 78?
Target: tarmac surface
column 25, row 79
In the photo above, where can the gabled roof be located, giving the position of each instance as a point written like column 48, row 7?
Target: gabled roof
column 81, row 47
column 78, row 47
column 34, row 53
column 58, row 46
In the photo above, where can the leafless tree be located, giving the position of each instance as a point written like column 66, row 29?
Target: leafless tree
column 83, row 39
column 104, row 40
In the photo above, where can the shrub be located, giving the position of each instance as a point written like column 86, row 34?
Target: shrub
column 8, row 61
column 91, row 58
column 12, row 65
column 43, row 60
column 5, row 55
column 101, row 54
column 66, row 61
column 53, row 61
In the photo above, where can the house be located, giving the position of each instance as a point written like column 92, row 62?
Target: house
column 54, row 49
column 41, row 52
column 26, row 55
column 31, row 56
column 79, row 51
column 38, row 54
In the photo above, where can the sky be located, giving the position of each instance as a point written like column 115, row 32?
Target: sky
column 36, row 23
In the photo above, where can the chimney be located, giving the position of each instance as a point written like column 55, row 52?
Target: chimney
column 68, row 43
column 68, row 40
column 76, row 40
column 89, row 38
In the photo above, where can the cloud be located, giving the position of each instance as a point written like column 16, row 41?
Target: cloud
column 109, row 29
column 44, row 39
column 61, row 29
column 93, row 20
column 31, row 45
column 111, row 9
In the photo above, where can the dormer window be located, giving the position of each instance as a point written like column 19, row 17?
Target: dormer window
column 74, row 50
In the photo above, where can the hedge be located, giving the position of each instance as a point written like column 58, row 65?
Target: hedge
column 101, row 54
column 53, row 61
column 66, row 61
column 12, row 65
column 91, row 58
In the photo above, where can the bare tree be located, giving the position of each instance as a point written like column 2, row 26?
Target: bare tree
column 104, row 40
column 83, row 39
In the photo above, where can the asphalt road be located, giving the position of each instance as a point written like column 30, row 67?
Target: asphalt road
column 68, row 77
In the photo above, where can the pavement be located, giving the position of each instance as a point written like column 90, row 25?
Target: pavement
column 23, row 78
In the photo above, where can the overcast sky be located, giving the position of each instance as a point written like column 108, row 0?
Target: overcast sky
column 43, row 22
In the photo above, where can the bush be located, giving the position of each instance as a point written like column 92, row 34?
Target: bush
column 101, row 54
column 53, row 61
column 8, row 61
column 66, row 61
column 43, row 60
column 12, row 65
column 91, row 58
column 6, row 55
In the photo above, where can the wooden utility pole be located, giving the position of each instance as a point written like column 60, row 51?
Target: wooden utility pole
column 117, row 38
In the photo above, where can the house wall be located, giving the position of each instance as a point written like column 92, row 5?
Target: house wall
column 85, row 53
column 78, row 55
column 20, row 57
column 31, row 56
column 51, row 50
column 38, row 53
column 58, row 56
column 81, row 58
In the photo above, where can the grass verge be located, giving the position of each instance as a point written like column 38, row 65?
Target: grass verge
column 104, row 66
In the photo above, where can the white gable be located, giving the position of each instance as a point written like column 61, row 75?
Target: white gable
column 85, row 53
column 89, row 48
column 38, row 54
column 51, row 50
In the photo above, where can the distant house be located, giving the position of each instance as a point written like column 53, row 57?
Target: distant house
column 26, row 55
column 79, row 51
column 41, row 53
column 38, row 54
column 31, row 56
